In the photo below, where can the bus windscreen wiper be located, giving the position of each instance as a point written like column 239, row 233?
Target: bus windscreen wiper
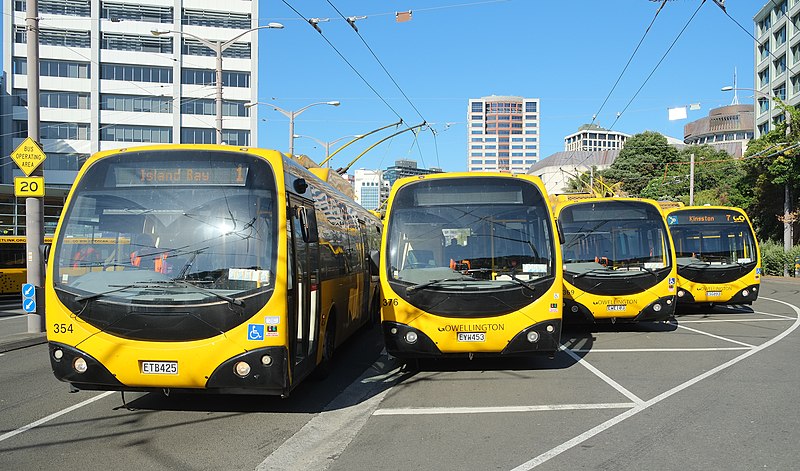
column 87, row 297
column 412, row 289
column 521, row 282
column 595, row 271
column 200, row 289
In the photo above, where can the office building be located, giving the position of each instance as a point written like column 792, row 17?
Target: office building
column 108, row 82
column 503, row 134
column 591, row 137
column 558, row 169
column 368, row 185
column 777, row 56
column 727, row 128
column 406, row 168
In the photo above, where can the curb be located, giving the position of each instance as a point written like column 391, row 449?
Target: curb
column 17, row 341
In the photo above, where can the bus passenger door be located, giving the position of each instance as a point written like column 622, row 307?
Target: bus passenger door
column 303, row 289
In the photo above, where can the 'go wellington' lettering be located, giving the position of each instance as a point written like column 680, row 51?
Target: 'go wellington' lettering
column 472, row 327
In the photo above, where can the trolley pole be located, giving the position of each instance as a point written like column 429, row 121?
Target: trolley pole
column 34, row 217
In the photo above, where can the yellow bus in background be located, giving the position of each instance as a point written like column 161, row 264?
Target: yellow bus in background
column 470, row 266
column 718, row 256
column 203, row 267
column 14, row 266
column 619, row 264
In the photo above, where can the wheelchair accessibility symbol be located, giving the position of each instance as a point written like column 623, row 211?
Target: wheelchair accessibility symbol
column 255, row 332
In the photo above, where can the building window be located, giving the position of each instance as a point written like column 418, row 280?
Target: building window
column 780, row 65
column 209, row 136
column 208, row 107
column 135, row 42
column 530, row 107
column 48, row 99
column 795, row 84
column 763, row 78
column 130, row 133
column 64, row 161
column 780, row 36
column 763, row 128
column 193, row 47
column 76, row 131
column 780, row 92
column 138, row 104
column 209, row 77
column 55, row 37
column 52, row 68
column 764, row 25
column 477, row 107
column 59, row 7
column 216, row 19
column 136, row 73
column 135, row 12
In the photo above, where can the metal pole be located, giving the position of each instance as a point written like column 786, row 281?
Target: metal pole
column 34, row 218
column 327, row 152
column 691, row 180
column 218, row 50
column 291, row 133
column 787, row 206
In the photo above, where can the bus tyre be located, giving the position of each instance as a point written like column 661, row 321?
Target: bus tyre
column 328, row 345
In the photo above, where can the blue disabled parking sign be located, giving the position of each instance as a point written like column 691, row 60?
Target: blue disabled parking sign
column 29, row 297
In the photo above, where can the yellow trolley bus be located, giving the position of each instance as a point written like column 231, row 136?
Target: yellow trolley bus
column 470, row 266
column 202, row 267
column 13, row 267
column 718, row 257
column 619, row 264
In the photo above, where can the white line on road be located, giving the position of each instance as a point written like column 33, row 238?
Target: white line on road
column 552, row 453
column 715, row 336
column 706, row 321
column 774, row 315
column 657, row 350
column 50, row 417
column 495, row 410
column 633, row 397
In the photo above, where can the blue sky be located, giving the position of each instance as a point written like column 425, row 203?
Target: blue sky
column 568, row 54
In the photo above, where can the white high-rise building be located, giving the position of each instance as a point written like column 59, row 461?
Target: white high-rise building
column 106, row 81
column 503, row 134
column 368, row 185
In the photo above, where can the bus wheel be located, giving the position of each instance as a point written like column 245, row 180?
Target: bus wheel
column 329, row 343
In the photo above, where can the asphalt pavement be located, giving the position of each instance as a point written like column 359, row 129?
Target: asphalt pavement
column 14, row 330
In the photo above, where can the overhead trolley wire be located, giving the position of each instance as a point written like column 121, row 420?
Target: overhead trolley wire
column 664, row 56
column 594, row 116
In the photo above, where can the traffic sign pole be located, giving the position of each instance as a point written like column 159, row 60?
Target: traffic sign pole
column 34, row 216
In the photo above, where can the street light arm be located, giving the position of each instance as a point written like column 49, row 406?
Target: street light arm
column 229, row 42
column 214, row 46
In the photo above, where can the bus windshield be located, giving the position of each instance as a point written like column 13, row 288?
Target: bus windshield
column 173, row 227
column 613, row 238
column 474, row 233
column 712, row 237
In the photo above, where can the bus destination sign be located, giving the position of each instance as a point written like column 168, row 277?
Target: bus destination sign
column 712, row 216
column 220, row 174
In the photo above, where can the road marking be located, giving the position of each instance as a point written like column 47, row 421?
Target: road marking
column 633, row 397
column 716, row 336
column 322, row 439
column 495, row 410
column 774, row 315
column 657, row 350
column 552, row 453
column 706, row 321
column 56, row 415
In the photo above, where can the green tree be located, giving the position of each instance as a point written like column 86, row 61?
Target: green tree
column 642, row 158
column 772, row 163
column 716, row 178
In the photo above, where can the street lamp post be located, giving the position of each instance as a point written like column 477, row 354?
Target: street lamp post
column 327, row 145
column 218, row 47
column 292, row 115
column 787, row 191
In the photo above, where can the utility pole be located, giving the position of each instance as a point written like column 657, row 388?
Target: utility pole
column 787, row 204
column 34, row 216
column 691, row 179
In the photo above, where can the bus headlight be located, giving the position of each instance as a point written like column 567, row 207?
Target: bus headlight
column 574, row 309
column 411, row 337
column 241, row 368
column 58, row 354
column 681, row 293
column 79, row 364
column 669, row 302
column 656, row 307
column 550, row 329
column 745, row 293
column 266, row 360
column 533, row 336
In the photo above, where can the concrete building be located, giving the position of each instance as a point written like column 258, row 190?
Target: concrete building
column 368, row 186
column 591, row 137
column 108, row 82
column 503, row 134
column 727, row 128
column 558, row 169
column 777, row 55
column 406, row 168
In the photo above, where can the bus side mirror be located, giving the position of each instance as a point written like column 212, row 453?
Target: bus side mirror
column 44, row 252
column 374, row 262
column 561, row 238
